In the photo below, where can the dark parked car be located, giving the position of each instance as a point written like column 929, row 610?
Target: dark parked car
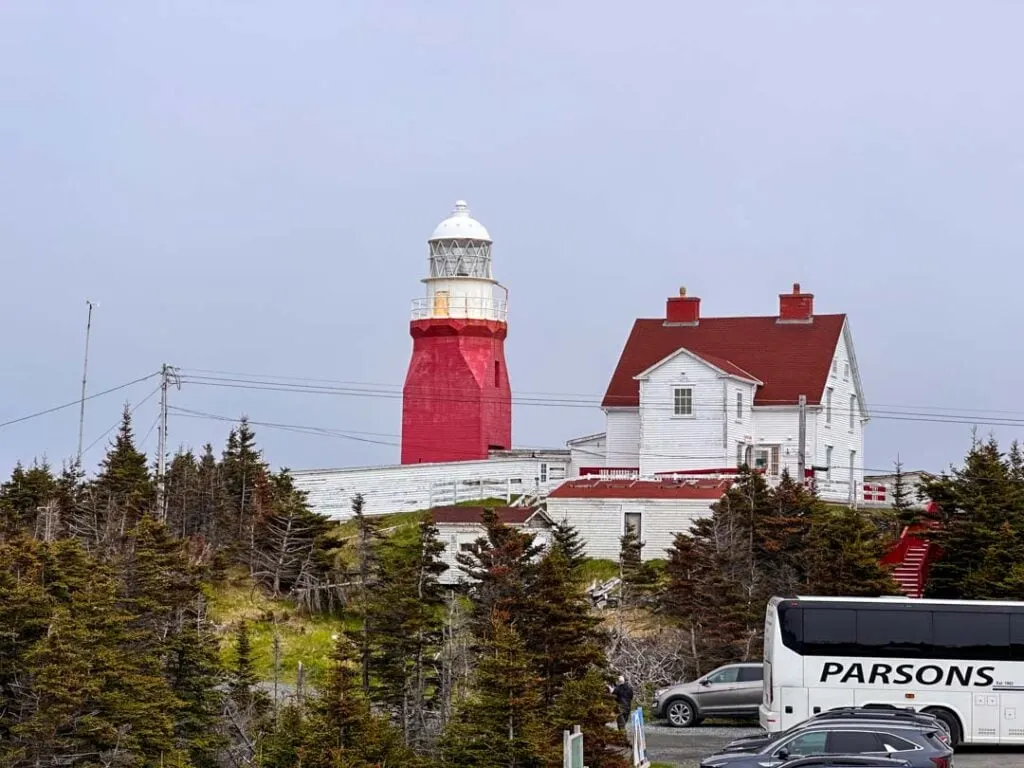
column 919, row 745
column 734, row 690
column 871, row 712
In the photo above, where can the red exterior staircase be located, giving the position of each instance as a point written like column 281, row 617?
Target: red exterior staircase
column 911, row 556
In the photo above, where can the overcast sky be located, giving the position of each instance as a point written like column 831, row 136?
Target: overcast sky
column 248, row 187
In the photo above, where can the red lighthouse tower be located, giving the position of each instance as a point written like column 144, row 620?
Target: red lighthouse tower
column 457, row 404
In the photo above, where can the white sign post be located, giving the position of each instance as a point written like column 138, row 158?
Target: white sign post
column 572, row 748
column 636, row 723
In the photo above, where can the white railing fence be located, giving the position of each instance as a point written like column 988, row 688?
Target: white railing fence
column 471, row 307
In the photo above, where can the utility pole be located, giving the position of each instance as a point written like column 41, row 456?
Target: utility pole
column 801, row 454
column 167, row 374
column 85, row 376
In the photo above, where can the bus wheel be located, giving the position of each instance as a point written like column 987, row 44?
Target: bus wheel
column 679, row 713
column 952, row 722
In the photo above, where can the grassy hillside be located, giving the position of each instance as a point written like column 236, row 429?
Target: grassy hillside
column 303, row 638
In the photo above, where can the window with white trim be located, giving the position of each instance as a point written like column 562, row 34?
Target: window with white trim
column 828, row 405
column 766, row 458
column 739, row 405
column 741, row 455
column 853, row 410
column 846, row 370
column 633, row 520
column 835, row 366
column 682, row 401
column 828, row 463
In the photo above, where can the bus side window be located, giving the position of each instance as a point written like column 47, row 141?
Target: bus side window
column 1017, row 636
column 829, row 631
column 972, row 635
column 888, row 632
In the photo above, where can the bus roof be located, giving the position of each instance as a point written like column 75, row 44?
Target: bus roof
column 894, row 599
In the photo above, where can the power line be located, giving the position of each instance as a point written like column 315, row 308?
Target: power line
column 584, row 399
column 118, row 422
column 714, row 405
column 56, row 408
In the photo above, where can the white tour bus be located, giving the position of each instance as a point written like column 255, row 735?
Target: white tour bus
column 961, row 660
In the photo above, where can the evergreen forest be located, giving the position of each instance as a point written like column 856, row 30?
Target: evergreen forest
column 113, row 652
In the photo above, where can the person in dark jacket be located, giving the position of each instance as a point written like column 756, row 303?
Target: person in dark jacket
column 623, row 694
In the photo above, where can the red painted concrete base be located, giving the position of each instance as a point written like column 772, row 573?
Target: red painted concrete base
column 457, row 403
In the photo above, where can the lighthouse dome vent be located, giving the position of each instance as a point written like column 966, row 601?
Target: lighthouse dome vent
column 460, row 226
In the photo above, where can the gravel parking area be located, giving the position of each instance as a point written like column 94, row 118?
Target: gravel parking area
column 684, row 747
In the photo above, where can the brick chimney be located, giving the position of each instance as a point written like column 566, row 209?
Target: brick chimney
column 682, row 309
column 796, row 307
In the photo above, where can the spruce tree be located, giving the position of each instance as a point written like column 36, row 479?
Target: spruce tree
column 502, row 564
column 366, row 573
column 843, row 553
column 559, row 631
column 243, row 685
column 195, row 672
column 286, row 537
column 342, row 730
column 405, row 616
column 25, row 615
column 567, row 538
column 124, row 480
column 980, row 504
column 25, row 495
column 585, row 702
column 245, row 481
column 94, row 690
column 639, row 578
column 902, row 503
column 502, row 723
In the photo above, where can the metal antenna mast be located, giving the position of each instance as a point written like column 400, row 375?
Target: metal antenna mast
column 167, row 375
column 85, row 375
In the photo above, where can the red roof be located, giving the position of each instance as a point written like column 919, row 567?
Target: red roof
column 641, row 489
column 792, row 359
column 469, row 515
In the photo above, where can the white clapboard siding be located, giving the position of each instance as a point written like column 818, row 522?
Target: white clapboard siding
column 454, row 535
column 601, row 522
column 410, row 487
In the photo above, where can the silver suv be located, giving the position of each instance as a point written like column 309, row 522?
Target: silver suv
column 734, row 690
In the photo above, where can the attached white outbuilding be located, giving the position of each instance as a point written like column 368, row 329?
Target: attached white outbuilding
column 658, row 509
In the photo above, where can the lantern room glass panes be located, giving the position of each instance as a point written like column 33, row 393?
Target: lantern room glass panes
column 460, row 258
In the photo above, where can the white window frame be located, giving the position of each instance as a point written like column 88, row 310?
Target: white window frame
column 640, row 521
column 676, row 389
column 739, row 405
column 835, row 366
column 741, row 455
column 543, row 471
column 828, row 463
column 828, row 406
column 846, row 371
column 772, row 459
column 853, row 410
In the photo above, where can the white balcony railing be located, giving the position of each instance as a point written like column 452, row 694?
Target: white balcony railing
column 470, row 307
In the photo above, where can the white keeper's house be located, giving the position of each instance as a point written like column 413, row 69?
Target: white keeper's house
column 694, row 398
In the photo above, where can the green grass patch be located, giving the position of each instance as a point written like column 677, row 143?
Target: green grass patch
column 601, row 570
column 305, row 639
